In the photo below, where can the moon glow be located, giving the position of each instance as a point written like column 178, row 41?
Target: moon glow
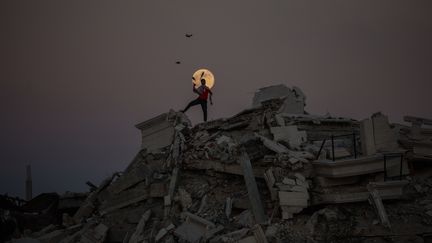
column 203, row 74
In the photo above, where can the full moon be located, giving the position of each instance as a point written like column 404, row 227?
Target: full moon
column 203, row 74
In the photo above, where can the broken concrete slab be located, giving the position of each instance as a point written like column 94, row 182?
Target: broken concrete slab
column 185, row 198
column 138, row 236
column 288, row 181
column 353, row 167
column 228, row 207
column 194, row 228
column 162, row 232
column 297, row 199
column 289, row 211
column 272, row 145
column 210, row 233
column 299, row 176
column 376, row 200
column 95, row 235
column 245, row 219
column 270, row 180
column 331, row 182
column 386, row 190
column 84, row 211
column 367, row 139
column 136, row 172
column 384, row 136
column 253, row 193
column 159, row 131
column 125, row 203
column 294, row 99
column 289, row 134
column 218, row 166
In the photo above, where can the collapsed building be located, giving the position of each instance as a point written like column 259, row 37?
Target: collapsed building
column 271, row 173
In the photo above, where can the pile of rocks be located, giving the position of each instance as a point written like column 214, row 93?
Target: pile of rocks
column 270, row 173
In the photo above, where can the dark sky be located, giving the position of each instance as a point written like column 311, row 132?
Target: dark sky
column 76, row 76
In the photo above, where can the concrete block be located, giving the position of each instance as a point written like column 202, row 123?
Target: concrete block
column 299, row 176
column 157, row 132
column 385, row 137
column 288, row 211
column 288, row 181
column 367, row 139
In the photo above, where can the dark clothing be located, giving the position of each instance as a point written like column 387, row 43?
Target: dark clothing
column 201, row 102
column 203, row 92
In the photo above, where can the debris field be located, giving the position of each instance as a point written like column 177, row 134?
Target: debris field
column 271, row 173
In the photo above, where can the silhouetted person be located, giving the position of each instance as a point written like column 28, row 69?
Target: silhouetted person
column 203, row 91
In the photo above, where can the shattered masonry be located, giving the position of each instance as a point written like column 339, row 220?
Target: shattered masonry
column 272, row 173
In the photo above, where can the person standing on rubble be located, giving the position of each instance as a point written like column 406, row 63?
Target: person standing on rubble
column 203, row 93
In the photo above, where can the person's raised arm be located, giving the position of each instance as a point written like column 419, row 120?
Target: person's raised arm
column 194, row 89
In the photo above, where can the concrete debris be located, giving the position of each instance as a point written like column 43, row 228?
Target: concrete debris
column 231, row 236
column 95, row 235
column 252, row 189
column 376, row 200
column 294, row 99
column 138, row 236
column 416, row 138
column 272, row 168
column 194, row 228
column 245, row 219
column 289, row 135
column 184, row 198
column 228, row 207
column 272, row 145
column 162, row 232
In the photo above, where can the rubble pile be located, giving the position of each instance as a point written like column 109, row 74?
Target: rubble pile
column 272, row 173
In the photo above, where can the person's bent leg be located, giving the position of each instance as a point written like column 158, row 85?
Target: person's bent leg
column 204, row 108
column 192, row 103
